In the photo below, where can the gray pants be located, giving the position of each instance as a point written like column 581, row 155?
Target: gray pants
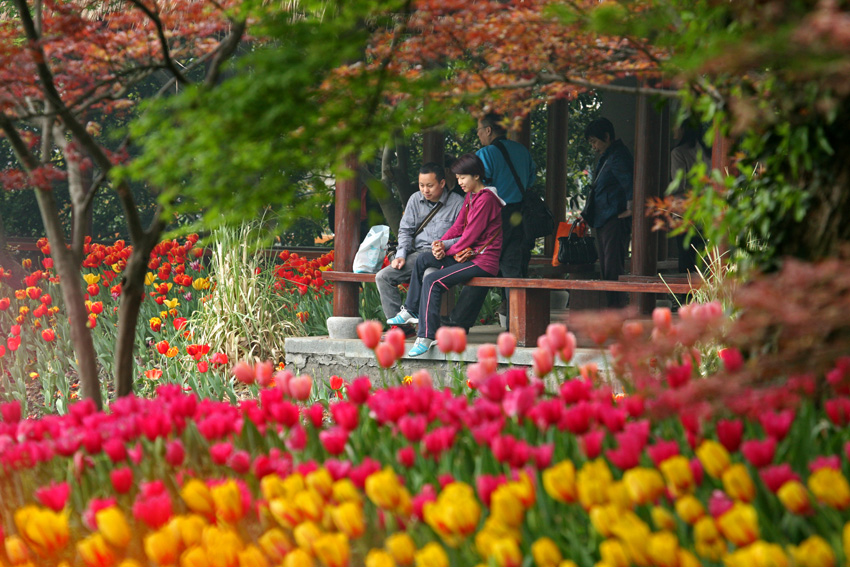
column 388, row 281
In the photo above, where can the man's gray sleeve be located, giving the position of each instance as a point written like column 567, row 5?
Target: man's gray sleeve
column 406, row 228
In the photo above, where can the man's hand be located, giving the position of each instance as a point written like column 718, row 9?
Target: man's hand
column 397, row 263
column 438, row 249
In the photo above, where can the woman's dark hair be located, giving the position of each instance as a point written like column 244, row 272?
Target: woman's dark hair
column 469, row 164
column 434, row 168
column 598, row 128
column 691, row 136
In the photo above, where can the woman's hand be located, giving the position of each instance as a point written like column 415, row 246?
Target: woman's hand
column 438, row 249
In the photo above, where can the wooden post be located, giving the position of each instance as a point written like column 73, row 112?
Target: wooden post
column 646, row 184
column 523, row 135
column 433, row 146
column 664, row 174
column 346, row 242
column 557, row 125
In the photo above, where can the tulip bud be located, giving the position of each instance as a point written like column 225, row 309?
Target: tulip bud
column 244, row 372
column 300, row 387
column 370, row 333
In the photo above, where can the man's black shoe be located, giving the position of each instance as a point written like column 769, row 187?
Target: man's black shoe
column 409, row 331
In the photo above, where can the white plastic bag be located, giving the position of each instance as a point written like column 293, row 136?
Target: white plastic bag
column 373, row 249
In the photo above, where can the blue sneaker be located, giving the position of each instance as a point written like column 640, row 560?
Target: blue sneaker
column 421, row 346
column 404, row 317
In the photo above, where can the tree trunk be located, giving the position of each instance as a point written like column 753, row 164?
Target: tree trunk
column 71, row 285
column 132, row 293
column 8, row 262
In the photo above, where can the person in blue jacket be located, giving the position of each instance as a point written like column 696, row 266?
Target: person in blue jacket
column 608, row 210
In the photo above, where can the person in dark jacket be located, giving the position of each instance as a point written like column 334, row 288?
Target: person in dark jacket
column 608, row 210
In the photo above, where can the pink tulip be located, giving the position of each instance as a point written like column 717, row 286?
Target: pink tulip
column 732, row 359
column 358, row 390
column 719, row 503
column 281, row 381
column 406, row 457
column 542, row 362
column 395, row 337
column 244, row 372
column 264, row 373
column 445, row 340
column 487, row 351
column 155, row 511
column 458, row 339
column 297, row 439
column 385, row 353
column 370, row 333
column 114, row 449
column 475, row 375
column 334, row 440
column 566, row 353
column 175, row 453
column 489, row 364
column 591, row 443
column 775, row 476
column 777, row 423
column 517, row 402
column 316, row 415
column 506, row 344
column 557, row 335
column 122, row 479
column 54, row 496
column 662, row 318
column 661, row 451
column 413, row 427
column 421, row 379
column 346, row 415
column 240, row 461
column 679, row 374
column 300, row 387
column 759, row 452
column 220, row 452
column 11, row 411
column 729, row 433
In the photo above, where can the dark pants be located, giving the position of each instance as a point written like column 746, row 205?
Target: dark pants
column 612, row 243
column 426, row 293
column 513, row 263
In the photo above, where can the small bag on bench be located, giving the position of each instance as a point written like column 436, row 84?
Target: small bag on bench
column 575, row 249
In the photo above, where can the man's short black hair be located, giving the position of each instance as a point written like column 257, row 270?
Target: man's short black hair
column 598, row 128
column 494, row 121
column 434, row 168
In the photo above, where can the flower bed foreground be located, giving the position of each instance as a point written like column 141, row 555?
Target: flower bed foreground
column 509, row 474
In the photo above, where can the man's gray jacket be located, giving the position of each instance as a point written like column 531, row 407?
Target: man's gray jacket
column 417, row 209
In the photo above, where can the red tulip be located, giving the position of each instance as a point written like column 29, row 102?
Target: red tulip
column 395, row 338
column 577, row 419
column 48, row 335
column 155, row 511
column 516, row 403
column 732, row 359
column 122, row 479
column 679, row 374
column 4, row 303
column 334, row 440
column 662, row 318
column 11, row 411
column 775, row 476
column 358, row 390
column 759, row 452
column 370, row 333
column 777, row 424
column 220, row 452
column 661, row 451
column 179, row 323
column 385, row 353
column 300, row 387
column 543, row 456
column 838, row 411
column 115, row 449
column 316, row 415
column 54, row 496
column 591, row 443
column 576, row 390
column 264, row 373
column 13, row 342
column 203, row 366
column 345, row 414
column 406, row 457
column 240, row 461
column 175, row 453
column 336, row 383
column 729, row 433
column 244, row 372
column 626, row 455
column 413, row 427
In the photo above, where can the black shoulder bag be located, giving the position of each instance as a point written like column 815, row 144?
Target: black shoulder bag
column 537, row 219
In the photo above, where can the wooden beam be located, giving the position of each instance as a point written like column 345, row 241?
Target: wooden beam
column 346, row 242
column 646, row 184
column 557, row 125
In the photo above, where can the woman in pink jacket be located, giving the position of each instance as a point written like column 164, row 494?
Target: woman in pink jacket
column 470, row 248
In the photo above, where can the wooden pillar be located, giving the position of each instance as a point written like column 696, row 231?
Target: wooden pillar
column 346, row 242
column 557, row 125
column 664, row 174
column 646, row 184
column 433, row 146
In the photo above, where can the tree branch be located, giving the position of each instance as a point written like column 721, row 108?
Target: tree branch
column 226, row 49
column 160, row 32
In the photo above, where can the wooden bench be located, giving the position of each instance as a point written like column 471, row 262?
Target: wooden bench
column 529, row 297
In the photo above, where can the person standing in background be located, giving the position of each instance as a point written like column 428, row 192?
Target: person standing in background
column 608, row 206
column 516, row 250
column 688, row 150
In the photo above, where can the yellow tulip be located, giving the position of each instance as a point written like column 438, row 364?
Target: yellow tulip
column 506, row 553
column 188, row 529
column 333, row 550
column 285, row 512
column 794, row 497
column 663, row 549
column 228, row 501
column 688, row 559
column 614, row 553
column 689, row 508
column 432, row 555
column 714, row 457
column 200, row 284
column 344, row 490
column 276, row 544
column 194, row 556
column 644, row 485
column 604, row 517
column 634, row 535
column 559, row 481
column 113, row 525
column 298, row 558
column 663, row 518
column 306, row 534
column 379, row 558
column 830, row 487
column 91, row 279
column 814, row 552
column 161, row 547
column 618, row 494
column 251, row 556
column 845, row 536
column 16, row 550
column 129, row 563
column 171, row 303
column 293, row 484
column 384, row 489
column 593, row 481
column 150, row 277
column 707, row 539
column 44, row 530
column 271, row 487
column 524, row 490
column 321, row 481
column 402, row 548
column 739, row 524
column 310, row 504
column 348, row 518
column 758, row 554
column 738, row 484
column 492, row 531
column 546, row 553
column 678, row 475
column 567, row 563
column 505, row 507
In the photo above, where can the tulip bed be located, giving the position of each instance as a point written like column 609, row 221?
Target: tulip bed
column 520, row 468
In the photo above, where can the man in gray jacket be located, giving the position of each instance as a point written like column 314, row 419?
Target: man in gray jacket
column 414, row 238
